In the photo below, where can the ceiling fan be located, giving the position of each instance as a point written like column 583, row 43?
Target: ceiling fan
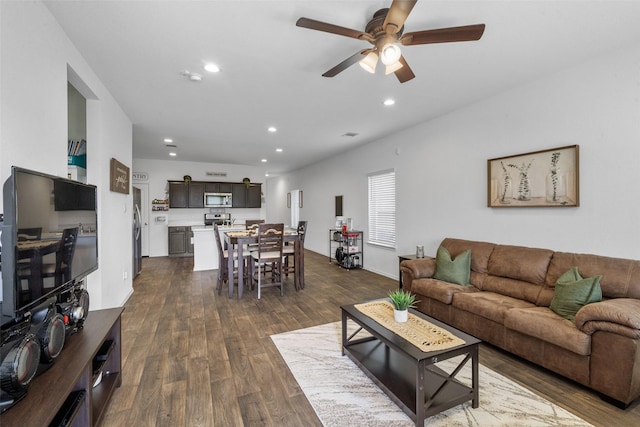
column 385, row 33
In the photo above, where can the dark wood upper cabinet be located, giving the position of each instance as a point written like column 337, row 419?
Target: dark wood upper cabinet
column 211, row 187
column 239, row 193
column 191, row 195
column 179, row 194
column 254, row 196
column 226, row 187
column 196, row 194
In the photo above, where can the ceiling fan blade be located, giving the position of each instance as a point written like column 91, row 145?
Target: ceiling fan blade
column 404, row 74
column 397, row 14
column 312, row 24
column 444, row 35
column 346, row 63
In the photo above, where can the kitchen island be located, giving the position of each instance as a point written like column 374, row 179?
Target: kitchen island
column 205, row 249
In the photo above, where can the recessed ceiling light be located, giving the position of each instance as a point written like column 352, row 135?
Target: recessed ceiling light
column 266, row 174
column 264, row 160
column 279, row 150
column 168, row 140
column 389, row 102
column 195, row 77
column 272, row 129
column 172, row 154
column 211, row 67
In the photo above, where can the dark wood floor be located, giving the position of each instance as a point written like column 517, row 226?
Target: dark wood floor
column 193, row 358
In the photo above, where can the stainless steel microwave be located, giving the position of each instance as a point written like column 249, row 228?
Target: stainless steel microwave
column 216, row 200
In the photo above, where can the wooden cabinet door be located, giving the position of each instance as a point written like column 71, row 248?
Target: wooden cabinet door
column 196, row 195
column 179, row 195
column 226, row 187
column 239, row 196
column 211, row 187
column 254, row 196
column 177, row 240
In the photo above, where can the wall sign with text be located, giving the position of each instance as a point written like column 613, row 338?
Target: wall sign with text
column 119, row 178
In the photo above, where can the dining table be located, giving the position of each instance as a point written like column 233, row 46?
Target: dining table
column 239, row 239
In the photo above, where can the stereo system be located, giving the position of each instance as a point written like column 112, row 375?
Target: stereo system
column 31, row 343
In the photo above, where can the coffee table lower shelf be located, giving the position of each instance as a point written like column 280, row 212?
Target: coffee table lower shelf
column 419, row 387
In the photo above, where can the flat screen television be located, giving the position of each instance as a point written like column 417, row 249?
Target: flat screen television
column 49, row 238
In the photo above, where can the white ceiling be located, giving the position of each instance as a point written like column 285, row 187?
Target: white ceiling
column 271, row 69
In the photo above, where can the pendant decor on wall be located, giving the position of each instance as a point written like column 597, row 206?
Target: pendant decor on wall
column 119, row 178
column 546, row 178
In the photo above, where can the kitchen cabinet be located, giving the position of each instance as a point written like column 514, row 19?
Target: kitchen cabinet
column 179, row 194
column 254, row 196
column 186, row 195
column 239, row 193
column 196, row 194
column 247, row 196
column 345, row 248
column 191, row 195
column 218, row 187
column 180, row 241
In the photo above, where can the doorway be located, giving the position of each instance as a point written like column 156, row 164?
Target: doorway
column 296, row 196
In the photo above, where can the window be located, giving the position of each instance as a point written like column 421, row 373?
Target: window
column 382, row 208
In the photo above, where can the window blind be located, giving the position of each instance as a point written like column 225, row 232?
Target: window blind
column 382, row 208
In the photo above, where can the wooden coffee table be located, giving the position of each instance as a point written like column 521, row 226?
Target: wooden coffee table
column 406, row 374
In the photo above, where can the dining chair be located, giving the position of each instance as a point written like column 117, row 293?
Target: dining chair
column 61, row 270
column 289, row 251
column 34, row 233
column 223, row 260
column 251, row 224
column 268, row 252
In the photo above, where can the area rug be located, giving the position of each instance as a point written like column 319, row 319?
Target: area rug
column 342, row 395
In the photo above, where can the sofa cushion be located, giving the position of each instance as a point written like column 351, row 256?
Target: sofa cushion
column 520, row 263
column 438, row 290
column 481, row 252
column 620, row 277
column 489, row 305
column 544, row 324
column 455, row 270
column 572, row 292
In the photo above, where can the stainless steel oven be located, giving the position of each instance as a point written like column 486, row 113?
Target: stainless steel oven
column 217, row 218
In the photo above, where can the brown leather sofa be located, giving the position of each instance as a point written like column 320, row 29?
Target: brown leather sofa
column 507, row 305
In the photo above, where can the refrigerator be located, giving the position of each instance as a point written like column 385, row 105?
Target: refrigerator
column 137, row 232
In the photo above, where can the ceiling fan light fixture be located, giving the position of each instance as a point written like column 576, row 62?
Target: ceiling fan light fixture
column 369, row 62
column 393, row 68
column 390, row 53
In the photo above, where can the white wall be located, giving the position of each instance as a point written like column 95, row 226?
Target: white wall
column 161, row 171
column 34, row 57
column 441, row 169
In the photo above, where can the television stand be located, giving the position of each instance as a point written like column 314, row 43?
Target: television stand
column 95, row 349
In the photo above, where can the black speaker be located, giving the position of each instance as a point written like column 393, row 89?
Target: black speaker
column 19, row 362
column 73, row 305
column 48, row 326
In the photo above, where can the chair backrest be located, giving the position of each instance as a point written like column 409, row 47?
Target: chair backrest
column 270, row 238
column 253, row 223
column 30, row 233
column 302, row 230
column 64, row 256
column 216, row 232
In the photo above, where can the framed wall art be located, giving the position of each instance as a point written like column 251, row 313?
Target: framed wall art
column 119, row 177
column 546, row 178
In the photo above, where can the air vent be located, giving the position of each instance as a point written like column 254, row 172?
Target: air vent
column 351, row 134
column 171, row 145
column 222, row 174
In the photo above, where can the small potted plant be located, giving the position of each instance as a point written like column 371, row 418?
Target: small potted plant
column 402, row 301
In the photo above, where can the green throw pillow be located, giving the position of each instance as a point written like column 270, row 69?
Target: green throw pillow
column 572, row 292
column 454, row 271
